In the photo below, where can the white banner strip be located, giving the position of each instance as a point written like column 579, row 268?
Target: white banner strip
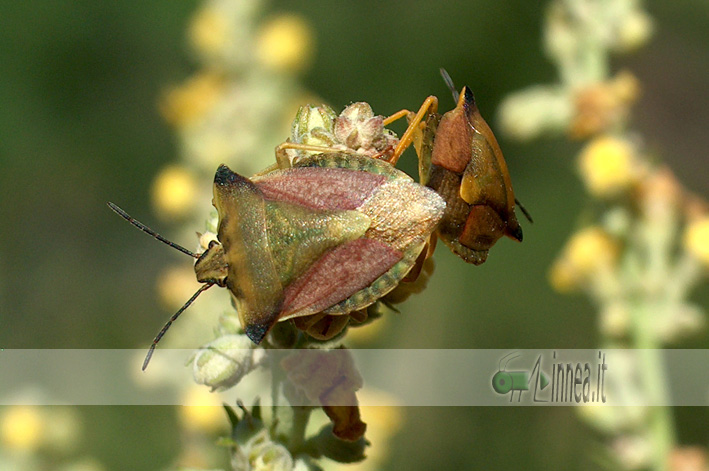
column 379, row 377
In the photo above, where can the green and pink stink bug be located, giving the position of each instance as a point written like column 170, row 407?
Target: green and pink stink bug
column 332, row 235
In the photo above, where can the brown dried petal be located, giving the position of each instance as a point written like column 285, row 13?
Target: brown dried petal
column 330, row 378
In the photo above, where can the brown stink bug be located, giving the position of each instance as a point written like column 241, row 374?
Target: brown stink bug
column 460, row 158
column 332, row 235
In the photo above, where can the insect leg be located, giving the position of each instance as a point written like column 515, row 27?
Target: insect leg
column 430, row 105
column 398, row 115
column 284, row 161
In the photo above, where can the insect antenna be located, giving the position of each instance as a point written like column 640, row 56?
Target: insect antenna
column 449, row 82
column 169, row 323
column 524, row 211
column 149, row 231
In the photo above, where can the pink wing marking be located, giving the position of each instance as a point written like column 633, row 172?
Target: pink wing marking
column 320, row 188
column 339, row 274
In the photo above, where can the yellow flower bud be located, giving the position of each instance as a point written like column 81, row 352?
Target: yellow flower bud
column 591, row 249
column 22, row 428
column 174, row 191
column 635, row 30
column 209, row 31
column 587, row 252
column 285, row 43
column 563, row 277
column 608, row 165
column 696, row 239
column 186, row 104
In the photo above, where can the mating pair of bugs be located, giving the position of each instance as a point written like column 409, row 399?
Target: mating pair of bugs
column 329, row 233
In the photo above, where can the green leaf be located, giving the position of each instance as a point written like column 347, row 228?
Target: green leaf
column 231, row 413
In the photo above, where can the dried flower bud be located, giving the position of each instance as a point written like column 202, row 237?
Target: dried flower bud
column 660, row 197
column 600, row 107
column 358, row 129
column 223, row 362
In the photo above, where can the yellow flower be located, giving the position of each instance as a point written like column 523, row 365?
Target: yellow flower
column 608, row 165
column 202, row 411
column 209, row 31
column 22, row 428
column 634, row 31
column 588, row 251
column 696, row 239
column 186, row 104
column 285, row 43
column 174, row 191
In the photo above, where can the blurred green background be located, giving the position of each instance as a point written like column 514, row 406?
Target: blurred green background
column 79, row 126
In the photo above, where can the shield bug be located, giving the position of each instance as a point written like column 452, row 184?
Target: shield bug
column 460, row 158
column 332, row 235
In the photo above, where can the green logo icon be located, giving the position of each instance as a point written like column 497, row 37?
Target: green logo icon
column 505, row 381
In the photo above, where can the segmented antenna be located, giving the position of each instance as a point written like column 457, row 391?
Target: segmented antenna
column 149, row 231
column 162, row 239
column 169, row 323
